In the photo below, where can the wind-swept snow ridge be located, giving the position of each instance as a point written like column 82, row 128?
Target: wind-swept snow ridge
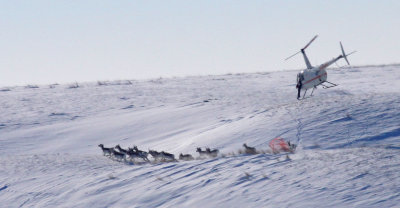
column 347, row 156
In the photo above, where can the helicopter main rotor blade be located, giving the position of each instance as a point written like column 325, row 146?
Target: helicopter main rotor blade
column 315, row 37
column 302, row 48
column 292, row 55
column 350, row 53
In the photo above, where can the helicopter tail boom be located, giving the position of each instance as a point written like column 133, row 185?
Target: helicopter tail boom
column 343, row 55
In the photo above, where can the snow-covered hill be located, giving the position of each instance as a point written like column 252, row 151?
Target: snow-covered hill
column 348, row 136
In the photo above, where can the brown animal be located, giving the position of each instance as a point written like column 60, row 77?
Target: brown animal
column 186, row 157
column 106, row 151
column 249, row 150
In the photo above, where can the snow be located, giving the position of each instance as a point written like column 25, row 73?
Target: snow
column 348, row 136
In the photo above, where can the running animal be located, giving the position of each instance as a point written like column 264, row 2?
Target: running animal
column 249, row 150
column 162, row 156
column 201, row 152
column 168, row 156
column 156, row 155
column 186, row 157
column 212, row 153
column 121, row 150
column 118, row 155
column 136, row 155
column 106, row 151
column 132, row 154
column 142, row 154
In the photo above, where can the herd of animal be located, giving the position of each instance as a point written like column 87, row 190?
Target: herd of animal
column 135, row 155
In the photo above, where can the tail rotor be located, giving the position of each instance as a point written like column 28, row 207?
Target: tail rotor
column 344, row 55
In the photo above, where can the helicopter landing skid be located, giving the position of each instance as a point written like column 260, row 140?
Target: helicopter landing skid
column 324, row 86
column 303, row 98
column 304, row 95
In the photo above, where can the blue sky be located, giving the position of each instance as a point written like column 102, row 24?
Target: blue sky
column 66, row 41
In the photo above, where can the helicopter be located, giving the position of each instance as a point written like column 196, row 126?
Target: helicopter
column 315, row 76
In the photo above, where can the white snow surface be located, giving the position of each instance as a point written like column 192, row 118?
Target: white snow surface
column 348, row 137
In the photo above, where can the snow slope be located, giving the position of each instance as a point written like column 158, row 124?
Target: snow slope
column 348, row 136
